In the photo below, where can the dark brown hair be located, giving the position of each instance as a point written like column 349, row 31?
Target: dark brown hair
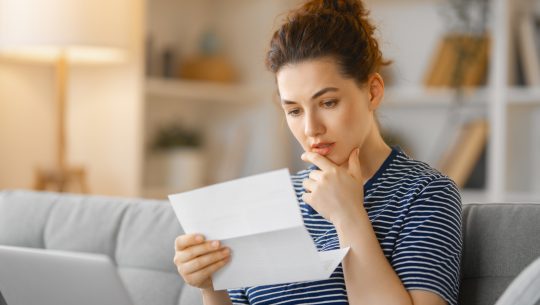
column 328, row 28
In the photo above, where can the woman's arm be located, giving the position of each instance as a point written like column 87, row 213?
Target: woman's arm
column 369, row 277
column 336, row 193
column 211, row 297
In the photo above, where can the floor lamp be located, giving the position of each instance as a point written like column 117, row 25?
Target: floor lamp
column 64, row 33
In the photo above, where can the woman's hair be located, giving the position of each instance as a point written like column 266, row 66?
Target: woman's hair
column 328, row 28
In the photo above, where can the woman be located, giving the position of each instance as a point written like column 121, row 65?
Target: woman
column 401, row 218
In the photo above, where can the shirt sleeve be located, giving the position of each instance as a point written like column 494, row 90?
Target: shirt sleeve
column 238, row 296
column 428, row 249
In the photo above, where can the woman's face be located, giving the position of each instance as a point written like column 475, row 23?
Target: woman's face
column 327, row 113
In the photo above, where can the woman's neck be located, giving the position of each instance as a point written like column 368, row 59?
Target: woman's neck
column 373, row 153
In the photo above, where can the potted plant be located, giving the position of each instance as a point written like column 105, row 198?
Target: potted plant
column 182, row 158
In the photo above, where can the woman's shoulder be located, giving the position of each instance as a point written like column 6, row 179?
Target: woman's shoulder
column 420, row 179
column 420, row 172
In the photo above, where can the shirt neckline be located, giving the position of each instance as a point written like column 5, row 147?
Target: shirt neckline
column 382, row 168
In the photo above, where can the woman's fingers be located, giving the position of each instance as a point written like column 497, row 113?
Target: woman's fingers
column 201, row 262
column 197, row 250
column 309, row 185
column 187, row 240
column 316, row 175
column 197, row 259
column 202, row 275
column 320, row 161
column 306, row 197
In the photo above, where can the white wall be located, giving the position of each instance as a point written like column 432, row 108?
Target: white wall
column 104, row 119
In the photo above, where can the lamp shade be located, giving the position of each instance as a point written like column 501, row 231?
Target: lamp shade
column 86, row 31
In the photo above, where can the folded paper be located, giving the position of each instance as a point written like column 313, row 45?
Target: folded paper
column 259, row 219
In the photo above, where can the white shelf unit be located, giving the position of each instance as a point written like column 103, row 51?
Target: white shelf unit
column 432, row 98
column 204, row 91
column 209, row 107
column 513, row 112
column 240, row 115
column 505, row 99
column 408, row 107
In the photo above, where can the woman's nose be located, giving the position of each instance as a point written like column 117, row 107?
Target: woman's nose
column 313, row 126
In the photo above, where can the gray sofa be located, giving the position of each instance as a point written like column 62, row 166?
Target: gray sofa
column 499, row 241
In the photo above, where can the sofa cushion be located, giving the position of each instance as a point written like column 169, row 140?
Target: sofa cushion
column 146, row 236
column 525, row 289
column 27, row 231
column 137, row 234
column 482, row 291
column 85, row 224
column 149, row 287
column 500, row 240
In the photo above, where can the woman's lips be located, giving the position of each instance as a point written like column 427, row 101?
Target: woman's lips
column 323, row 149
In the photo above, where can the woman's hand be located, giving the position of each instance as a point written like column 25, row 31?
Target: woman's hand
column 197, row 259
column 336, row 192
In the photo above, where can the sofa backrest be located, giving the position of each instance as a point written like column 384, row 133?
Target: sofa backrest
column 137, row 234
column 500, row 240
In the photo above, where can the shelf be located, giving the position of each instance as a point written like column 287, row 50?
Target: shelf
column 424, row 97
column 524, row 96
column 394, row 97
column 427, row 97
column 206, row 91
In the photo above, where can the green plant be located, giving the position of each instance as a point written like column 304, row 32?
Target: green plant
column 174, row 136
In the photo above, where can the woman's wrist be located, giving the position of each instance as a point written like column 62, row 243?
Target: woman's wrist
column 210, row 291
column 215, row 297
column 350, row 220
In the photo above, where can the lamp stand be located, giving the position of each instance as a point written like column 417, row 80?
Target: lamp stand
column 61, row 177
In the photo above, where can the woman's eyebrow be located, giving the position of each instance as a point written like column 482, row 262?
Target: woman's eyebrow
column 316, row 95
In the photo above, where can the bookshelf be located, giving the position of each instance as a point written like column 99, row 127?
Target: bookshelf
column 204, row 91
column 243, row 132
column 511, row 110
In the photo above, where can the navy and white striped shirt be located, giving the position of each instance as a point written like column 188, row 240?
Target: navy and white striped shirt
column 415, row 212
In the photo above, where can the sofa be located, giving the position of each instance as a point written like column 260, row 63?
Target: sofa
column 500, row 240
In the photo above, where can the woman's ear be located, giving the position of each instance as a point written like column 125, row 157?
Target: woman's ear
column 376, row 90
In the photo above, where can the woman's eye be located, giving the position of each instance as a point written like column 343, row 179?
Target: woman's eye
column 293, row 112
column 329, row 104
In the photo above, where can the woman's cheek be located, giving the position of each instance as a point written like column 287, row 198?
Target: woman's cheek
column 297, row 130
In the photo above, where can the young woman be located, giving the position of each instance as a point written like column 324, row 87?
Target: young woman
column 401, row 218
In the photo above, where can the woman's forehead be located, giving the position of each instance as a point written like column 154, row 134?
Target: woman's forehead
column 308, row 76
column 305, row 79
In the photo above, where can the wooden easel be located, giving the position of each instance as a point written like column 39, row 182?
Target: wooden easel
column 60, row 181
column 62, row 176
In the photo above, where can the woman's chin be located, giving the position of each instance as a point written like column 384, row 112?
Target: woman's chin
column 336, row 159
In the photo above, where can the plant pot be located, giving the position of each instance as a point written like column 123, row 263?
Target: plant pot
column 183, row 168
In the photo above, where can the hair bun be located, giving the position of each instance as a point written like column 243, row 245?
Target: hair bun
column 354, row 7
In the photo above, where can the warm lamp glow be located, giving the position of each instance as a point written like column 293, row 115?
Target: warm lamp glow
column 63, row 32
column 74, row 54
column 84, row 31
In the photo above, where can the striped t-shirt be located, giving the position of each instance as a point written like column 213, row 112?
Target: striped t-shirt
column 415, row 212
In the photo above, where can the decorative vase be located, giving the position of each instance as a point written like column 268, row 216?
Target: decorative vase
column 183, row 168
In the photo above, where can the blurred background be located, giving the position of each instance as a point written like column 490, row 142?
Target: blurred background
column 191, row 103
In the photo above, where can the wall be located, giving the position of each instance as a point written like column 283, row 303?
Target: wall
column 104, row 110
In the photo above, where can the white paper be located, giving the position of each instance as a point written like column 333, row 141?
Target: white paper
column 259, row 219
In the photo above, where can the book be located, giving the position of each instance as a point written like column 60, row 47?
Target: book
column 460, row 159
column 529, row 49
column 460, row 60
